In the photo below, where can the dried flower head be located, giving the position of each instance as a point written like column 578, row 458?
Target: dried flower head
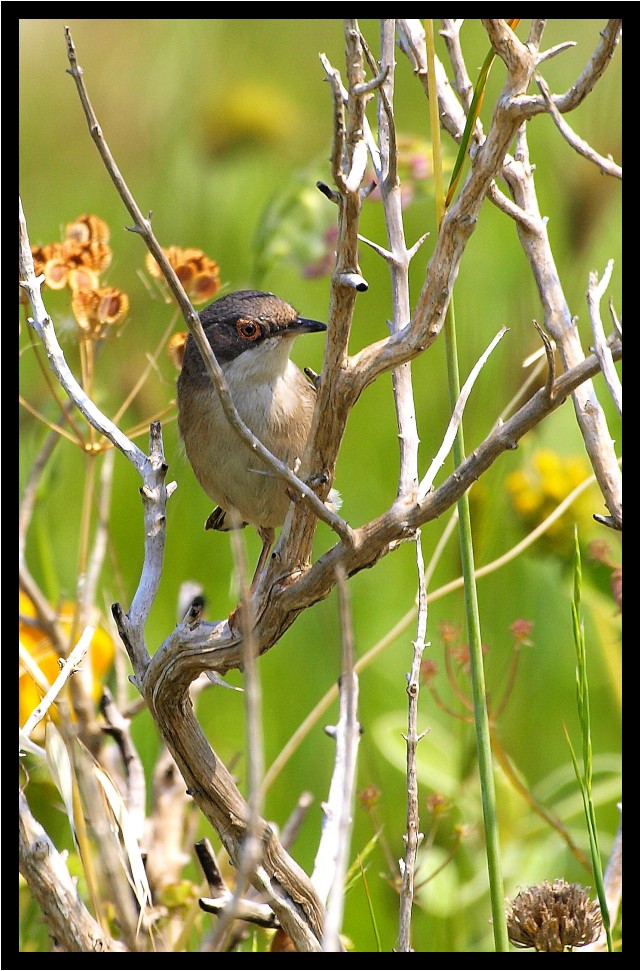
column 88, row 228
column 97, row 310
column 428, row 670
column 94, row 255
column 521, row 630
column 553, row 917
column 79, row 259
column 176, row 348
column 50, row 261
column 369, row 797
column 436, row 804
column 195, row 270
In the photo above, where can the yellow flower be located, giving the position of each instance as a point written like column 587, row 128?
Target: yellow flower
column 536, row 490
column 38, row 645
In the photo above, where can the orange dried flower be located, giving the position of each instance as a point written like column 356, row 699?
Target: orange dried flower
column 204, row 286
column 79, row 259
column 94, row 255
column 176, row 348
column 81, row 278
column 96, row 310
column 198, row 273
column 88, row 228
column 42, row 255
column 56, row 273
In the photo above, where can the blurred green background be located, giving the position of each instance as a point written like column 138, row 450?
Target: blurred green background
column 221, row 129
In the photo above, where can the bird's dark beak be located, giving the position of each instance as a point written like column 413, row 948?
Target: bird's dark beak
column 303, row 325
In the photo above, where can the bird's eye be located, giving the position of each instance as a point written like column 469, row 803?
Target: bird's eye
column 247, row 330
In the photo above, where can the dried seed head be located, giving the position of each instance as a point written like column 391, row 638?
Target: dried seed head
column 195, row 270
column 555, row 916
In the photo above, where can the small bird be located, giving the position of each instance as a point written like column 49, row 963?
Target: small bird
column 251, row 334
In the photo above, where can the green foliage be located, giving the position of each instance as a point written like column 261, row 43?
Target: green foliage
column 583, row 708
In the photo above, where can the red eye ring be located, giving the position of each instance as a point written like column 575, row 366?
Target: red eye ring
column 247, row 330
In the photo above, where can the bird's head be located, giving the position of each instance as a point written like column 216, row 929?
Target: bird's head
column 253, row 323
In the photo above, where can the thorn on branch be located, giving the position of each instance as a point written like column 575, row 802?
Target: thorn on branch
column 549, row 353
column 331, row 194
column 353, row 280
column 616, row 323
column 607, row 521
column 366, row 190
column 195, row 612
column 313, row 376
column 244, row 909
column 368, row 86
column 384, row 253
column 553, row 51
column 209, row 866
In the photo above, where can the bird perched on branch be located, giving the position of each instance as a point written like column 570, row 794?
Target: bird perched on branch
column 251, row 334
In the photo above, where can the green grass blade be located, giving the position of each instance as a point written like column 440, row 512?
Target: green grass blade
column 473, row 624
column 583, row 708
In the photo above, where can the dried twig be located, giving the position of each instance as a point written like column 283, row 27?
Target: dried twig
column 535, row 104
column 330, row 867
column 596, row 292
column 606, row 165
column 249, row 856
column 68, row 668
column 44, row 869
column 412, row 836
column 117, row 726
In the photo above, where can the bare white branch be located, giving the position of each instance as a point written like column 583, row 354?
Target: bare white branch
column 331, row 862
column 531, row 105
column 411, row 35
column 413, row 837
column 596, row 291
column 606, row 165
